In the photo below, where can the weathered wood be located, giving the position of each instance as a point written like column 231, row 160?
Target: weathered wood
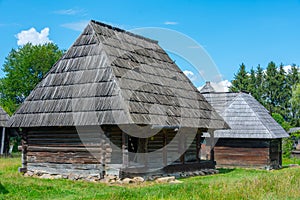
column 66, row 169
column 248, row 153
column 212, row 151
column 2, row 141
column 24, row 150
column 165, row 140
column 125, row 149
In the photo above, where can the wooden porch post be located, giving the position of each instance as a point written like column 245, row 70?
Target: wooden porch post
column 24, row 152
column 2, row 141
column 165, row 159
column 212, row 139
column 182, row 146
column 198, row 147
column 125, row 149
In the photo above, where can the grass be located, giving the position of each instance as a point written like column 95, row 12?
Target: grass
column 229, row 184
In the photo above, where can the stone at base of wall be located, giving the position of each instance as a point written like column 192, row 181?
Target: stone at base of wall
column 113, row 179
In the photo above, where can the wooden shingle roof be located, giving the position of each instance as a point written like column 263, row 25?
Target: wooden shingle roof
column 207, row 88
column 3, row 118
column 111, row 76
column 246, row 117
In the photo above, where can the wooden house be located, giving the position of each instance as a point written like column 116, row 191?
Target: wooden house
column 114, row 103
column 254, row 139
column 4, row 137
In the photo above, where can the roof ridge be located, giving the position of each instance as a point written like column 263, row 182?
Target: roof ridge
column 124, row 31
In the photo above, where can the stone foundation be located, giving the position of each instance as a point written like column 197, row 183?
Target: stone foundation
column 114, row 179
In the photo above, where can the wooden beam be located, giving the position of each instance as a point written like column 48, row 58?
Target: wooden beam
column 24, row 152
column 182, row 147
column 198, row 146
column 212, row 152
column 125, row 149
column 165, row 158
column 2, row 141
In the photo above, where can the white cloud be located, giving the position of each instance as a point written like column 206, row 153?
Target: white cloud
column 287, row 68
column 222, row 86
column 190, row 75
column 77, row 26
column 32, row 36
column 69, row 11
column 170, row 23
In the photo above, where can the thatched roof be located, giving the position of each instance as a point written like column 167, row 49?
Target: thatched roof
column 3, row 118
column 246, row 117
column 111, row 76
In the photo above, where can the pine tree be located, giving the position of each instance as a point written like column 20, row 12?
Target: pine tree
column 259, row 84
column 270, row 87
column 241, row 80
column 282, row 93
column 252, row 83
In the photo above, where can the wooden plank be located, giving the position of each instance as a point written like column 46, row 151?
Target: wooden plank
column 2, row 141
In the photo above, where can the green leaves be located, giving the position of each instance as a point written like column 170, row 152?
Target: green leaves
column 24, row 68
column 295, row 104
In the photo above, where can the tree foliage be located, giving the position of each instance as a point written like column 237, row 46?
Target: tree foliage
column 295, row 104
column 241, row 80
column 24, row 68
column 273, row 87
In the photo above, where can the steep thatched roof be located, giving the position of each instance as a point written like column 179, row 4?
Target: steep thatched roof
column 110, row 76
column 3, row 118
column 246, row 117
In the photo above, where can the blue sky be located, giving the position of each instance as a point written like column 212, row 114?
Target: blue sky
column 232, row 32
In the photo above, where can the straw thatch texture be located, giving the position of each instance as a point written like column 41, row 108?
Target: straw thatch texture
column 3, row 118
column 246, row 117
column 110, row 76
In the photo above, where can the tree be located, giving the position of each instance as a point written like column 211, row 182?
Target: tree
column 293, row 76
column 282, row 93
column 259, row 84
column 252, row 83
column 295, row 104
column 270, row 86
column 241, row 80
column 24, row 68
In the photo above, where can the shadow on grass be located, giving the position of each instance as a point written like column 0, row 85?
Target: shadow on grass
column 3, row 190
column 225, row 171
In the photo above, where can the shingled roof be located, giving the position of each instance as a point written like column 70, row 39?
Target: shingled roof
column 3, row 118
column 111, row 76
column 207, row 88
column 246, row 117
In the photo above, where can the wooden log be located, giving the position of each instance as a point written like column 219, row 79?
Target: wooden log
column 2, row 141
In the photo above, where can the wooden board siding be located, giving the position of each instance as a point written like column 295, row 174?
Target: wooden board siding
column 63, row 145
column 242, row 153
column 107, row 148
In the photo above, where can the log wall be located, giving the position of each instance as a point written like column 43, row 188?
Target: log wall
column 95, row 150
column 66, row 149
column 259, row 153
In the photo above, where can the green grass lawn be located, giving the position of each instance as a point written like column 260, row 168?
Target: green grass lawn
column 229, row 184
